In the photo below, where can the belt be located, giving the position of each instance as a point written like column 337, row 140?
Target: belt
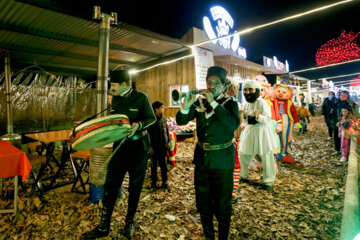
column 138, row 136
column 214, row 147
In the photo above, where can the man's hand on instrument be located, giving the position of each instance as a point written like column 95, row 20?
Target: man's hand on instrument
column 209, row 96
column 189, row 100
column 134, row 127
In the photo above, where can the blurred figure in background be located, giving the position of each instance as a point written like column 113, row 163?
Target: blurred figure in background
column 328, row 110
column 304, row 115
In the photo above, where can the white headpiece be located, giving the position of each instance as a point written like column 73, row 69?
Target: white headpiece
column 251, row 84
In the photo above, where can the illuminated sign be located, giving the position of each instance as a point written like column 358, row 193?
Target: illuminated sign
column 275, row 63
column 221, row 24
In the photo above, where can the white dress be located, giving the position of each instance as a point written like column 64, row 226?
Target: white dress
column 258, row 138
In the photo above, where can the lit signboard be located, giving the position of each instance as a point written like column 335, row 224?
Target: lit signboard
column 221, row 24
column 275, row 63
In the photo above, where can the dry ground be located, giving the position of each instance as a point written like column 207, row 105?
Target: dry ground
column 307, row 202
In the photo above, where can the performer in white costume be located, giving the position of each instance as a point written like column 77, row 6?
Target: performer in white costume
column 257, row 137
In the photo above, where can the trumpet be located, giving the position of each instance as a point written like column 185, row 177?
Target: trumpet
column 176, row 95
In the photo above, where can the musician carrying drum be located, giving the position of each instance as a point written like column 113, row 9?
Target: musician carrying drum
column 132, row 155
column 217, row 117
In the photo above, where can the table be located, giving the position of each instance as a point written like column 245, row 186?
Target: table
column 48, row 139
column 13, row 162
column 181, row 137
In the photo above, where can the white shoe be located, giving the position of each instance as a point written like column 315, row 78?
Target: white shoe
column 343, row 159
column 329, row 138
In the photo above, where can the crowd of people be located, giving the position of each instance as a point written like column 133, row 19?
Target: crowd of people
column 230, row 136
column 338, row 110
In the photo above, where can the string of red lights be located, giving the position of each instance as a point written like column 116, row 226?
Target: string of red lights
column 342, row 49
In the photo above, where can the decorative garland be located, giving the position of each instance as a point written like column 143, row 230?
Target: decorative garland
column 341, row 49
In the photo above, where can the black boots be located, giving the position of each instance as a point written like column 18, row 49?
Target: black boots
column 129, row 230
column 103, row 228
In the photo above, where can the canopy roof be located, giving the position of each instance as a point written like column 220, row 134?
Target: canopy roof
column 66, row 44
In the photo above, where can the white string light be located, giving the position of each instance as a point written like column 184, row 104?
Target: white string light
column 247, row 30
column 339, row 76
column 347, row 82
column 159, row 64
column 275, row 22
column 331, row 65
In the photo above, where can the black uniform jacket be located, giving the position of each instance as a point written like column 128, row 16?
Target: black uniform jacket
column 217, row 129
column 136, row 107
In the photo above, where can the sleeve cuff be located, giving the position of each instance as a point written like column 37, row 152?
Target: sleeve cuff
column 214, row 104
column 183, row 111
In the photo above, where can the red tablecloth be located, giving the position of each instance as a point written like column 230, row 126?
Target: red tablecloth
column 13, row 161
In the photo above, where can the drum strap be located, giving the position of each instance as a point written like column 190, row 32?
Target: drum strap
column 115, row 151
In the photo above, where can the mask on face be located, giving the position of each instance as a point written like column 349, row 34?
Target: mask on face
column 251, row 97
column 343, row 97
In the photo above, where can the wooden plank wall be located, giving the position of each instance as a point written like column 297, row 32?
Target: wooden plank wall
column 156, row 82
column 232, row 69
column 171, row 111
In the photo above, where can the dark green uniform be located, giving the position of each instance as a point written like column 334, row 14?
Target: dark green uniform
column 213, row 169
column 132, row 156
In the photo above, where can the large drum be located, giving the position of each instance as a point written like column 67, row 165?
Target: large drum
column 100, row 132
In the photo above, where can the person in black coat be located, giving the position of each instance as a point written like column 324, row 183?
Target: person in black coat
column 160, row 143
column 343, row 102
column 328, row 110
column 131, row 157
column 217, row 117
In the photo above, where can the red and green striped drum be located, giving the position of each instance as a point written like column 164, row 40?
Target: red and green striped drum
column 100, row 132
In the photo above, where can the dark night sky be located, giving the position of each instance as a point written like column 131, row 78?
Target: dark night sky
column 295, row 40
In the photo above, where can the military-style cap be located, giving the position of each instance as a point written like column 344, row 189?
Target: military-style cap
column 218, row 72
column 119, row 76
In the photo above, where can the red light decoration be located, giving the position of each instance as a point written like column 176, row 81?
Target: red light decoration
column 341, row 49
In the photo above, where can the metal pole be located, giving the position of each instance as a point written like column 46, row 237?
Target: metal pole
column 103, row 63
column 15, row 139
column 309, row 91
column 9, row 115
column 103, row 57
column 16, row 194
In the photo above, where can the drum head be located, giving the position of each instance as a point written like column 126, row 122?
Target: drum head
column 101, row 137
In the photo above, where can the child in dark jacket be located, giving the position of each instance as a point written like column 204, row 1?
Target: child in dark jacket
column 160, row 143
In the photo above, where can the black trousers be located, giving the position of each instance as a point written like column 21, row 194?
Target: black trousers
column 159, row 159
column 337, row 140
column 132, row 157
column 330, row 130
column 213, row 189
column 330, row 127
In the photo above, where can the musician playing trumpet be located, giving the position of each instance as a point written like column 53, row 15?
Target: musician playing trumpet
column 217, row 117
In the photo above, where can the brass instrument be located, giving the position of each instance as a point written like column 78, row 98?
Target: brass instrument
column 176, row 95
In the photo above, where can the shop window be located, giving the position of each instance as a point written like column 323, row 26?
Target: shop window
column 180, row 88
